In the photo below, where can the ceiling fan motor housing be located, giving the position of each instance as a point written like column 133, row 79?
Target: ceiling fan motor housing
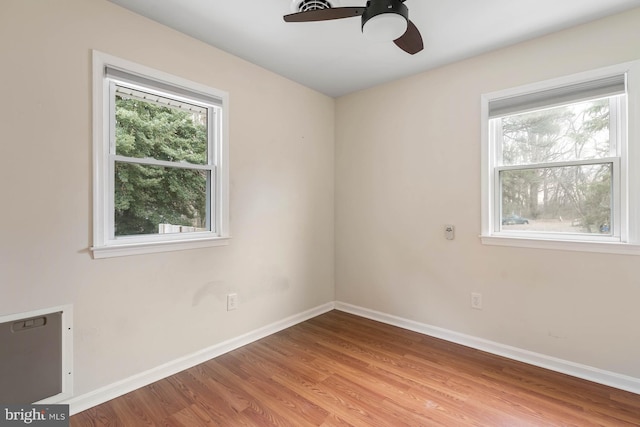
column 385, row 20
column 379, row 7
column 307, row 5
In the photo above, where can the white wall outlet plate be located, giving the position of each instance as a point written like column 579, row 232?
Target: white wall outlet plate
column 232, row 301
column 476, row 300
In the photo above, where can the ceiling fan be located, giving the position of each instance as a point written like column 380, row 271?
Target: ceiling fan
column 381, row 20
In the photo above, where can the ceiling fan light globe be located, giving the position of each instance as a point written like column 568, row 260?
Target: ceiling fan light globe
column 385, row 27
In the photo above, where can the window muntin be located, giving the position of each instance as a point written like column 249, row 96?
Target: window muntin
column 160, row 161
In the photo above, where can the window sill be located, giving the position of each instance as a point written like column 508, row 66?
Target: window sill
column 563, row 245
column 156, row 247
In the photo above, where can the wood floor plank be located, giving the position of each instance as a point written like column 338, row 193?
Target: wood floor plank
column 101, row 415
column 198, row 393
column 190, row 416
column 340, row 370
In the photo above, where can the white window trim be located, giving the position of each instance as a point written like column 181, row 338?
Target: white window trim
column 629, row 169
column 103, row 245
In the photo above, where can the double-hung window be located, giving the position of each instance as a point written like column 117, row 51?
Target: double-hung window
column 160, row 161
column 558, row 163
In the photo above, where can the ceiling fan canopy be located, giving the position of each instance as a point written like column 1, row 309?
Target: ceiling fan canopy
column 305, row 5
column 382, row 20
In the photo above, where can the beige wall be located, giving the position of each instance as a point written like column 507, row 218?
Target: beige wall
column 135, row 313
column 408, row 162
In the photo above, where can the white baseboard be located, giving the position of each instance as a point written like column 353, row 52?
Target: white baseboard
column 111, row 391
column 589, row 373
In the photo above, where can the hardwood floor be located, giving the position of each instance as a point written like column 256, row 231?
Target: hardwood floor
column 342, row 370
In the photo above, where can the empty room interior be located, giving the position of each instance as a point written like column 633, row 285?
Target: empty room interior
column 321, row 229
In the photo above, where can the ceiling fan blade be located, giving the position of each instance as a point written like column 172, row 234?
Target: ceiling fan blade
column 411, row 40
column 325, row 14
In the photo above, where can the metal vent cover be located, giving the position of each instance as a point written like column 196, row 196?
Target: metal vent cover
column 307, row 5
column 31, row 359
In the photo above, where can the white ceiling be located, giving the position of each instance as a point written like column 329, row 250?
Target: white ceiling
column 333, row 57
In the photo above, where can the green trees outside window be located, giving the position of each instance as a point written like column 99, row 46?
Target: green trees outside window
column 148, row 196
column 557, row 168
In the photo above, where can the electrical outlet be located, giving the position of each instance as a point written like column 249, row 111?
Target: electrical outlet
column 232, row 301
column 476, row 300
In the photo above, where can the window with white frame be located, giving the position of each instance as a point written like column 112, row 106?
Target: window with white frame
column 160, row 161
column 557, row 163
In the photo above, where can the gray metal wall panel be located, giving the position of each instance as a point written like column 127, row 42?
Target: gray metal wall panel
column 31, row 359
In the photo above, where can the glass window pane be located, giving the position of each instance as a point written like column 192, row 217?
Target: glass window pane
column 152, row 126
column 571, row 199
column 571, row 132
column 158, row 200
